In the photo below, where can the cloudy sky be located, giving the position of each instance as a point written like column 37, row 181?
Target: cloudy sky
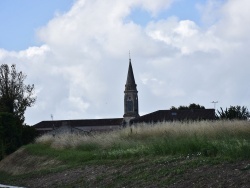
column 76, row 53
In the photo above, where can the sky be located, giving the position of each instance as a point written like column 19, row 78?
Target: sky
column 76, row 53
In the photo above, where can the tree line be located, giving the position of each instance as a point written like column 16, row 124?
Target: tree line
column 231, row 113
column 15, row 97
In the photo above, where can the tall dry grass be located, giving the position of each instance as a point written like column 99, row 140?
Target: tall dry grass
column 211, row 130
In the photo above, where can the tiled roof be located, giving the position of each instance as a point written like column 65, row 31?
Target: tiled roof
column 79, row 123
column 179, row 115
column 157, row 116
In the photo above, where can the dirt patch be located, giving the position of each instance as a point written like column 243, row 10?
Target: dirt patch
column 221, row 175
column 21, row 161
column 131, row 175
column 66, row 177
column 144, row 172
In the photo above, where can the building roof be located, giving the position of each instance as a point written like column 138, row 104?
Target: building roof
column 130, row 83
column 179, row 115
column 79, row 123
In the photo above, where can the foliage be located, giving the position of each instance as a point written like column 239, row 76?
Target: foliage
column 233, row 112
column 145, row 171
column 209, row 139
column 10, row 134
column 196, row 106
column 15, row 96
column 28, row 134
column 191, row 106
column 149, row 153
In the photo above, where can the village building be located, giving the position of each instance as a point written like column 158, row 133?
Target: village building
column 131, row 115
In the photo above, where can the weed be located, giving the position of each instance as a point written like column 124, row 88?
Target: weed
column 204, row 138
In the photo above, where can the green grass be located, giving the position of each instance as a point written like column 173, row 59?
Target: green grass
column 70, row 156
column 144, row 150
column 230, row 139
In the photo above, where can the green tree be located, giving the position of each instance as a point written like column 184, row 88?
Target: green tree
column 28, row 134
column 195, row 106
column 15, row 96
column 10, row 132
column 2, row 150
column 233, row 112
column 191, row 106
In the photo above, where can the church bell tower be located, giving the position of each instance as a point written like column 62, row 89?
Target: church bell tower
column 131, row 109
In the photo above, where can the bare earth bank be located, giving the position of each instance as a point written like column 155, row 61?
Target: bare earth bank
column 141, row 172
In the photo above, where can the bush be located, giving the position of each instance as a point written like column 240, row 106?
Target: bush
column 233, row 112
column 13, row 135
column 10, row 134
column 28, row 134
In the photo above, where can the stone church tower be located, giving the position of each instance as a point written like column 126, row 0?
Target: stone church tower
column 131, row 109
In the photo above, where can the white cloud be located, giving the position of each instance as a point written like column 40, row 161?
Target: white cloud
column 3, row 53
column 155, row 6
column 80, row 71
column 186, row 36
column 33, row 51
column 236, row 15
column 210, row 11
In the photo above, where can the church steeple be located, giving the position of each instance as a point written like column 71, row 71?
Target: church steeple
column 130, row 84
column 131, row 109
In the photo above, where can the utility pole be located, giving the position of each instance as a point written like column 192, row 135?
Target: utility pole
column 53, row 126
column 214, row 102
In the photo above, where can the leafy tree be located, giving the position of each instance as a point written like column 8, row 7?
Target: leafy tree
column 2, row 150
column 173, row 108
column 10, row 132
column 182, row 107
column 28, row 134
column 195, row 106
column 233, row 112
column 15, row 96
column 191, row 106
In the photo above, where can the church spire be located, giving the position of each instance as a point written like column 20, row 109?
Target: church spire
column 130, row 83
column 131, row 109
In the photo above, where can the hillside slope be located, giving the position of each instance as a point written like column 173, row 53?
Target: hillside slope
column 21, row 162
column 24, row 169
column 167, row 154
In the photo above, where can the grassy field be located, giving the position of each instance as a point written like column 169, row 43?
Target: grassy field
column 145, row 153
column 206, row 138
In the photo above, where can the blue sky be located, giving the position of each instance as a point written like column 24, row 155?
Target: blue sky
column 21, row 19
column 182, row 9
column 75, row 52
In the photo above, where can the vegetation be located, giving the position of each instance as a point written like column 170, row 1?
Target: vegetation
column 10, row 134
column 191, row 106
column 154, row 155
column 15, row 97
column 233, row 112
column 206, row 138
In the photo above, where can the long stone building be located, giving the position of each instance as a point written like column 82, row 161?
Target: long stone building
column 131, row 115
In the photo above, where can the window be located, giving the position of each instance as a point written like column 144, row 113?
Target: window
column 129, row 106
